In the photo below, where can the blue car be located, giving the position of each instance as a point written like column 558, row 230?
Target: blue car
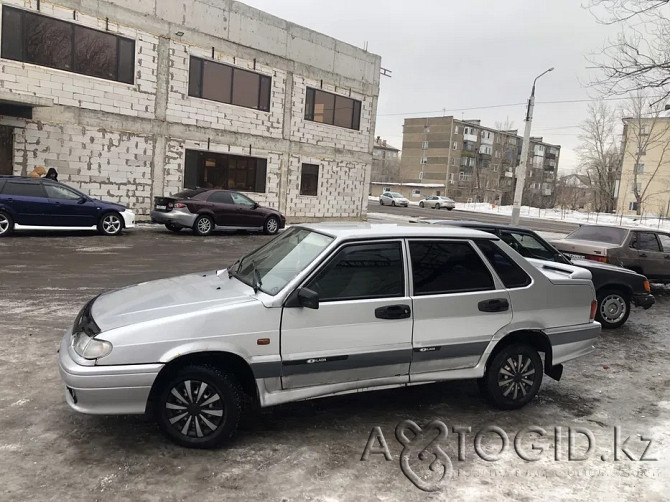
column 41, row 203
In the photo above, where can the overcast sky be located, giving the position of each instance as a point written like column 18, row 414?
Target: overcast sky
column 460, row 55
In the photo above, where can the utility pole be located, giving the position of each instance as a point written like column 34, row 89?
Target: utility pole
column 521, row 170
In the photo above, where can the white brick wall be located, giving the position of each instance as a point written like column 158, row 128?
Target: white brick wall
column 70, row 89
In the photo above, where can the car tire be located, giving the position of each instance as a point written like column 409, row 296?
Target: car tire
column 206, row 413
column 203, row 225
column 393, row 203
column 437, row 206
column 381, row 202
column 6, row 224
column 173, row 228
column 421, row 204
column 271, row 226
column 110, row 224
column 514, row 376
column 613, row 308
column 450, row 208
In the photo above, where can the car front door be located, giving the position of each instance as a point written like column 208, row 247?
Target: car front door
column 70, row 208
column 362, row 329
column 458, row 306
column 649, row 255
column 28, row 201
column 247, row 214
column 225, row 212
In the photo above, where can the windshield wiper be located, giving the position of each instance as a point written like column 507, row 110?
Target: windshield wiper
column 257, row 277
column 230, row 269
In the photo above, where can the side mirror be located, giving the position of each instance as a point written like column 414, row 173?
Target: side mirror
column 256, row 205
column 82, row 200
column 308, row 298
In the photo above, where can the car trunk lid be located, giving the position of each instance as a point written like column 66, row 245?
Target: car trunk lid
column 164, row 204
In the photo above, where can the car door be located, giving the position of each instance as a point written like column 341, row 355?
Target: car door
column 362, row 329
column 649, row 255
column 665, row 245
column 458, row 305
column 70, row 208
column 247, row 214
column 225, row 212
column 28, row 200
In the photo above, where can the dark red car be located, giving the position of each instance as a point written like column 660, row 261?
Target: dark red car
column 204, row 210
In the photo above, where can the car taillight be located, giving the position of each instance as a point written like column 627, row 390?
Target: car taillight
column 179, row 205
column 592, row 257
column 170, row 205
column 647, row 287
column 594, row 309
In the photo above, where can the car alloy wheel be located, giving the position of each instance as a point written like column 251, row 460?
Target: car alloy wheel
column 393, row 203
column 110, row 224
column 271, row 226
column 514, row 376
column 200, row 407
column 613, row 309
column 421, row 204
column 437, row 206
column 203, row 225
column 6, row 224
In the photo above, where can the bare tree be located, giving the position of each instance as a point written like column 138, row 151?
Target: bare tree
column 639, row 57
column 599, row 154
column 646, row 130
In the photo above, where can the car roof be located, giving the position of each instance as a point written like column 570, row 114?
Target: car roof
column 623, row 227
column 393, row 230
column 466, row 223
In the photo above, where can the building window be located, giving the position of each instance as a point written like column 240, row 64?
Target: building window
column 639, row 168
column 632, row 206
column 455, row 129
column 496, row 167
column 416, row 192
column 637, row 187
column 217, row 170
column 424, row 160
column 33, row 38
column 426, row 129
column 332, row 109
column 451, row 177
column 424, row 145
column 455, row 145
column 309, row 179
column 227, row 84
column 452, row 161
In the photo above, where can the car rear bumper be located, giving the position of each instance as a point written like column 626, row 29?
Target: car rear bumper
column 571, row 342
column 644, row 300
column 174, row 217
column 105, row 390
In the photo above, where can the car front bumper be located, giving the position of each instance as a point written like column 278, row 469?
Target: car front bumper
column 104, row 390
column 644, row 300
column 128, row 219
column 174, row 217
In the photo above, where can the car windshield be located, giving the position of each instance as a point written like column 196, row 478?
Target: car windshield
column 271, row 267
column 610, row 235
column 394, row 195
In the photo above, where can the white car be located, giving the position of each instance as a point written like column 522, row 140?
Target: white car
column 438, row 202
column 393, row 199
column 324, row 310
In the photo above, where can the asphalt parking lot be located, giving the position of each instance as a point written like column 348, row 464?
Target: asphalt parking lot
column 311, row 450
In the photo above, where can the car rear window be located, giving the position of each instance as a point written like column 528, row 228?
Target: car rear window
column 23, row 189
column 609, row 235
column 511, row 274
column 189, row 193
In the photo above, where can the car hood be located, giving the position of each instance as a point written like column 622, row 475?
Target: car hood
column 589, row 264
column 153, row 300
column 110, row 205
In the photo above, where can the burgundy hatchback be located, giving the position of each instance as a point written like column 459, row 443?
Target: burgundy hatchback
column 204, row 210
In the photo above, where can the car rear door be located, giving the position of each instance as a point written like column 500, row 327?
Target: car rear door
column 28, row 201
column 458, row 306
column 650, row 257
column 221, row 204
column 665, row 244
column 362, row 329
column 70, row 208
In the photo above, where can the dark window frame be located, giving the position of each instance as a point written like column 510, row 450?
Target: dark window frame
column 310, row 100
column 516, row 268
column 36, row 183
column 73, row 62
column 224, row 172
column 303, row 189
column 264, row 101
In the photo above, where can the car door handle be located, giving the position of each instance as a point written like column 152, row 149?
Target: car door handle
column 494, row 305
column 643, row 255
column 393, row 312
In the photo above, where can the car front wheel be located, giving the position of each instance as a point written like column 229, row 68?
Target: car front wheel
column 437, row 206
column 6, row 224
column 200, row 407
column 421, row 204
column 271, row 226
column 203, row 225
column 514, row 376
column 110, row 224
column 613, row 308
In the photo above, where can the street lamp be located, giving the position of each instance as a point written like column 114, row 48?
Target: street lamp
column 521, row 171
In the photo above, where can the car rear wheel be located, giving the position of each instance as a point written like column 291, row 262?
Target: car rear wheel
column 437, row 206
column 6, row 224
column 271, row 226
column 172, row 227
column 514, row 376
column 449, row 208
column 393, row 203
column 421, row 204
column 200, row 407
column 381, row 202
column 110, row 224
column 613, row 308
column 204, row 225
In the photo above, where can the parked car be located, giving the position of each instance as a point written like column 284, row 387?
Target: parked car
column 643, row 250
column 326, row 309
column 438, row 202
column 204, row 210
column 616, row 287
column 393, row 199
column 43, row 204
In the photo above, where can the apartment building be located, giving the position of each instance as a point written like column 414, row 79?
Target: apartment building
column 644, row 186
column 385, row 161
column 475, row 162
column 132, row 99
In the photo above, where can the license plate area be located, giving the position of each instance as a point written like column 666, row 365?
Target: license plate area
column 574, row 256
column 161, row 207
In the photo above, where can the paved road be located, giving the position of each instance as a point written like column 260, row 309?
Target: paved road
column 457, row 214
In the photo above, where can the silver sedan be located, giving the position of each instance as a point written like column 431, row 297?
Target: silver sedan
column 438, row 202
column 393, row 199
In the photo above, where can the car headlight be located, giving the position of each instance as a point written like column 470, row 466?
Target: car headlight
column 90, row 348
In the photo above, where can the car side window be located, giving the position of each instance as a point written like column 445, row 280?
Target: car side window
column 511, row 274
column 665, row 242
column 362, row 271
column 646, row 241
column 61, row 192
column 220, row 198
column 241, row 200
column 440, row 267
column 24, row 189
column 528, row 246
